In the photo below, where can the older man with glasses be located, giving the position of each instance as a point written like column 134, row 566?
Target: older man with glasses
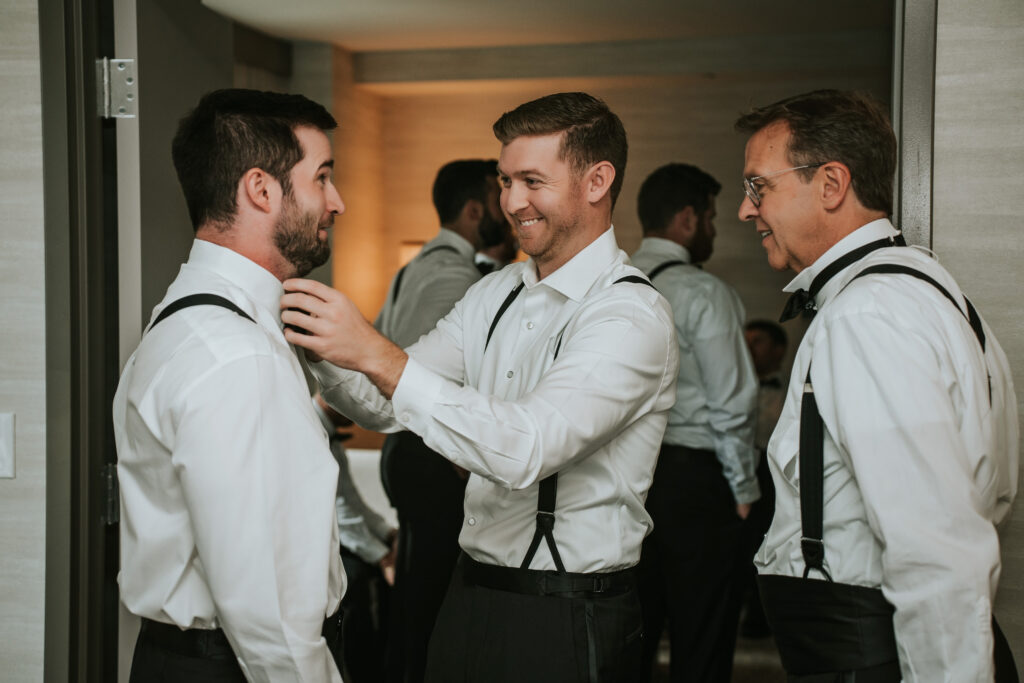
column 896, row 453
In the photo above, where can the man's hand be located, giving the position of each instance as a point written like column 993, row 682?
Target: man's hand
column 338, row 333
column 387, row 563
column 743, row 510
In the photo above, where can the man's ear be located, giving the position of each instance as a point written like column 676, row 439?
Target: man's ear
column 683, row 226
column 473, row 210
column 260, row 190
column 835, row 183
column 597, row 182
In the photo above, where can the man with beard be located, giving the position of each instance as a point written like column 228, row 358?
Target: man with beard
column 498, row 247
column 550, row 382
column 229, row 548
column 706, row 477
column 425, row 489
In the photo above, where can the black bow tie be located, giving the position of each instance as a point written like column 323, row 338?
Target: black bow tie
column 772, row 382
column 802, row 300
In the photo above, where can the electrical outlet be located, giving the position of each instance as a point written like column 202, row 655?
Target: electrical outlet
column 6, row 445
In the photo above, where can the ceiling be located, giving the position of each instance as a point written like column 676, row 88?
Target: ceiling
column 364, row 25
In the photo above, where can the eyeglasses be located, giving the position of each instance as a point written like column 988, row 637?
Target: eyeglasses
column 751, row 189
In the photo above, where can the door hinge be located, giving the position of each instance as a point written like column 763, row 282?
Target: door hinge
column 117, row 88
column 112, row 495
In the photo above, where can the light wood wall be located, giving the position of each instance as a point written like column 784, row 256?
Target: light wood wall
column 978, row 185
column 22, row 340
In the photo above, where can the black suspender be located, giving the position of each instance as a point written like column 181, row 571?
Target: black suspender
column 636, row 279
column 198, row 300
column 893, row 268
column 547, row 493
column 501, row 310
column 812, row 433
column 401, row 271
column 812, row 484
column 662, row 266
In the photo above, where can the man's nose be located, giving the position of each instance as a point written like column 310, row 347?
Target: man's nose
column 748, row 211
column 513, row 198
column 334, row 203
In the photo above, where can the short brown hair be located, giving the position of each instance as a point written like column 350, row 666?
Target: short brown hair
column 669, row 190
column 836, row 125
column 593, row 133
column 231, row 131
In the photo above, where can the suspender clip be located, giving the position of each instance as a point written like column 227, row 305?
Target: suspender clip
column 814, row 551
column 545, row 520
column 814, row 556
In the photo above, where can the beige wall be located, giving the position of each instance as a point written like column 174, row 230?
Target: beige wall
column 978, row 185
column 22, row 371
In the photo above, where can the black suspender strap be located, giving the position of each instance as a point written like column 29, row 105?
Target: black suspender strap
column 547, row 493
column 401, row 271
column 546, row 497
column 667, row 264
column 812, row 433
column 501, row 310
column 893, row 268
column 198, row 300
column 812, row 444
column 636, row 279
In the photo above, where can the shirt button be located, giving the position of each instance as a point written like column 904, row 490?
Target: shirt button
column 529, row 326
column 471, row 521
column 405, row 417
column 509, row 374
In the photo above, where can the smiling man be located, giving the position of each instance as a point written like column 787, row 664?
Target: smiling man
column 896, row 452
column 229, row 547
column 550, row 382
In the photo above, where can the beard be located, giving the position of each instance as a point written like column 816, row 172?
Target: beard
column 701, row 247
column 296, row 236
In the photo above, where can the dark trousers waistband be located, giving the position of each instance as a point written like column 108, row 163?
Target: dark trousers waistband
column 546, row 582
column 674, row 450
column 822, row 627
column 213, row 643
column 190, row 642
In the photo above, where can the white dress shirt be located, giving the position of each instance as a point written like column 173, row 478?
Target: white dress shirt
column 360, row 528
column 512, row 414
column 918, row 462
column 716, row 395
column 431, row 284
column 227, row 483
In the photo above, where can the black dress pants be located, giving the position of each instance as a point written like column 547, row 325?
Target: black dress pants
column 163, row 656
column 365, row 624
column 428, row 495
column 755, row 526
column 688, row 566
column 486, row 635
column 166, row 654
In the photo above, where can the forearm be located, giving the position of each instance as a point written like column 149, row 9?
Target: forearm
column 738, row 458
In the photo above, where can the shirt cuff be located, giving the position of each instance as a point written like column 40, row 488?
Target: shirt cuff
column 417, row 392
column 747, row 491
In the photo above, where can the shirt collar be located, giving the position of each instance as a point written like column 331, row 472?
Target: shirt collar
column 259, row 284
column 453, row 239
column 659, row 246
column 575, row 278
column 875, row 230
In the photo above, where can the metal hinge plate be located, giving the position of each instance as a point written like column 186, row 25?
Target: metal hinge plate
column 118, row 88
column 112, row 495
